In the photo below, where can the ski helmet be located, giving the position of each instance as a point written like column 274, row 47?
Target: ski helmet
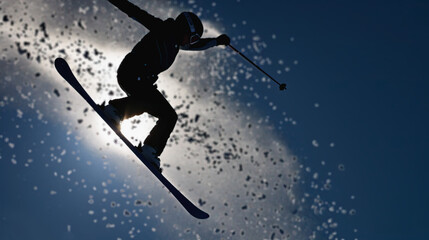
column 191, row 24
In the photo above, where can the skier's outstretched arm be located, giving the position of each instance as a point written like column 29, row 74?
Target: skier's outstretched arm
column 205, row 43
column 134, row 12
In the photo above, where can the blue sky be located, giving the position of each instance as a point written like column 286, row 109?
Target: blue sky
column 363, row 64
column 366, row 64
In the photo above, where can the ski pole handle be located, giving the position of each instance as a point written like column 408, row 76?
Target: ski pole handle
column 282, row 86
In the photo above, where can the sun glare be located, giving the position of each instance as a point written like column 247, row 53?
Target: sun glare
column 137, row 128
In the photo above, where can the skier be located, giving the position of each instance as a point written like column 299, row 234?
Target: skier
column 139, row 71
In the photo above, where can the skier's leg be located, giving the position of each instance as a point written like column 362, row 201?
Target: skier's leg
column 128, row 106
column 127, row 83
column 159, row 107
column 135, row 86
column 144, row 98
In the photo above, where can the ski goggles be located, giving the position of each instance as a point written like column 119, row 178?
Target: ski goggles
column 195, row 37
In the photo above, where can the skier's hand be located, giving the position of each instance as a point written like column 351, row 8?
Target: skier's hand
column 223, row 40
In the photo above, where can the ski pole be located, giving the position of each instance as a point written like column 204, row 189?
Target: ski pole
column 282, row 86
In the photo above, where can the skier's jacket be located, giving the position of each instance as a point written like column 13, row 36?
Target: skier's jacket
column 158, row 49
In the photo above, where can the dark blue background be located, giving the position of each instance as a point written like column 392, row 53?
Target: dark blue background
column 366, row 63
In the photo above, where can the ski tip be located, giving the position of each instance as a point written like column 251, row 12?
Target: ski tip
column 201, row 215
column 59, row 61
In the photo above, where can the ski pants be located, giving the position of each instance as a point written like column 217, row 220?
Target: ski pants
column 143, row 96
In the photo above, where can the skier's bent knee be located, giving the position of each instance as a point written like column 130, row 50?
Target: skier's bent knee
column 170, row 118
column 174, row 117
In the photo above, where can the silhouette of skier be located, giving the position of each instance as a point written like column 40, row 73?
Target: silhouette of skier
column 139, row 71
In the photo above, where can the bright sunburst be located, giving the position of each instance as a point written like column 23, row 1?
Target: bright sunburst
column 137, row 128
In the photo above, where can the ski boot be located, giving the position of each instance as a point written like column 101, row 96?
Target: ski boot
column 149, row 153
column 112, row 114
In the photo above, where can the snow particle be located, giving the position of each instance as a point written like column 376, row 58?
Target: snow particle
column 315, row 143
column 126, row 213
column 19, row 113
column 110, row 225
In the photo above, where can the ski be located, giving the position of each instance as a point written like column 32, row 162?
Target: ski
column 64, row 70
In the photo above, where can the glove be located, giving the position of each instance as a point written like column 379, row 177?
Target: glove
column 223, row 40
